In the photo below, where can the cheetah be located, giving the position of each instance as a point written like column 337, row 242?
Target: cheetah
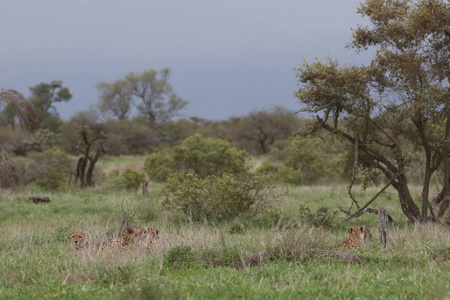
column 147, row 235
column 150, row 236
column 78, row 242
column 130, row 233
column 355, row 238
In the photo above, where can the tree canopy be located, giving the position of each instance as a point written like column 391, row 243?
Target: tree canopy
column 402, row 98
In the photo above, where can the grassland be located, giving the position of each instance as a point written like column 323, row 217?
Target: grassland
column 37, row 262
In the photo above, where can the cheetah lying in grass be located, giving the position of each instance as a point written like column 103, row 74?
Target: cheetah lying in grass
column 78, row 242
column 148, row 236
column 355, row 238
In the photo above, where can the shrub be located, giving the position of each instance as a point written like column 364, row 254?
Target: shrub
column 179, row 257
column 50, row 169
column 217, row 198
column 10, row 173
column 322, row 217
column 159, row 166
column 207, row 156
column 129, row 180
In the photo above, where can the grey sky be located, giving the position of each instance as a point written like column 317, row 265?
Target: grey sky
column 227, row 57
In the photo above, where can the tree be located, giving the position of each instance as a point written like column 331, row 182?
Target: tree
column 207, row 156
column 43, row 97
column 115, row 98
column 158, row 101
column 86, row 138
column 260, row 129
column 401, row 98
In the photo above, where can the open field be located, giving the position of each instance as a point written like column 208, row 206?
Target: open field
column 37, row 262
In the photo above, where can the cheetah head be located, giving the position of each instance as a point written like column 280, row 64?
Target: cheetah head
column 77, row 240
column 356, row 232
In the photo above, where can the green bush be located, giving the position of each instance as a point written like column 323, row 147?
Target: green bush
column 129, row 180
column 217, row 198
column 159, row 166
column 179, row 257
column 322, row 217
column 50, row 169
column 207, row 156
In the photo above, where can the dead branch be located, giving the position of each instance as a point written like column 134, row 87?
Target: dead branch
column 355, row 167
column 361, row 210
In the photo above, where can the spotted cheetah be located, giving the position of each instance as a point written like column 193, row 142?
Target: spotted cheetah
column 150, row 236
column 79, row 242
column 130, row 233
column 355, row 238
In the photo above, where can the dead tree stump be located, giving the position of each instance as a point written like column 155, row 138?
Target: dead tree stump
column 144, row 187
column 383, row 226
column 37, row 200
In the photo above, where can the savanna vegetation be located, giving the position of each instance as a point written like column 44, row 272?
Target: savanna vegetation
column 243, row 205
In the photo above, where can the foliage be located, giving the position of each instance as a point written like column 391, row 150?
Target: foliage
column 322, row 217
column 207, row 156
column 50, row 169
column 179, row 257
column 400, row 99
column 159, row 165
column 47, row 138
column 129, row 136
column 217, row 198
column 43, row 97
column 10, row 173
column 129, row 180
column 257, row 131
column 115, row 98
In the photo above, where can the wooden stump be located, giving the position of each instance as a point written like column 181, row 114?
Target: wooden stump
column 37, row 200
column 144, row 187
column 383, row 226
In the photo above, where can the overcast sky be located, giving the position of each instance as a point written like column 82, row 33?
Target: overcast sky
column 227, row 57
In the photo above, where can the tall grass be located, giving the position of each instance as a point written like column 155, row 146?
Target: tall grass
column 37, row 262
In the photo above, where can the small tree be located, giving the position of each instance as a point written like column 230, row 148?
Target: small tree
column 129, row 180
column 50, row 169
column 89, row 141
column 43, row 97
column 260, row 129
column 206, row 156
column 159, row 166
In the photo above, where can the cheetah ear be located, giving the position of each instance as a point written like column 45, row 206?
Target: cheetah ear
column 130, row 230
column 349, row 229
column 157, row 231
column 363, row 228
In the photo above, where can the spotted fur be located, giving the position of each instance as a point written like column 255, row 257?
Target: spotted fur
column 355, row 238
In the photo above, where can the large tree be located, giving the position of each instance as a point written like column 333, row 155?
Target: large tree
column 401, row 99
column 258, row 130
column 115, row 98
column 158, row 101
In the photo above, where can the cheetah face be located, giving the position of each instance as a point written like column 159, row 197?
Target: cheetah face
column 149, row 235
column 356, row 233
column 77, row 239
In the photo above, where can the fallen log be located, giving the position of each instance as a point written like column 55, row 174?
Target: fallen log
column 37, row 200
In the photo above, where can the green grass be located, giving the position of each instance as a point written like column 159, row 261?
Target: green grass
column 37, row 262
